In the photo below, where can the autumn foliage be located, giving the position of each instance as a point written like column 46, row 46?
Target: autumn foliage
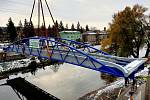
column 126, row 32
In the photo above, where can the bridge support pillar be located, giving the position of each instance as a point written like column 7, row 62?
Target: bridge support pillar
column 126, row 81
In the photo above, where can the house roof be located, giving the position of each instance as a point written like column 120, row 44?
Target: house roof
column 92, row 33
column 89, row 32
column 69, row 31
column 103, row 32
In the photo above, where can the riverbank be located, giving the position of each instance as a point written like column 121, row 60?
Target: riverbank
column 113, row 90
column 7, row 57
column 24, row 66
column 105, row 95
column 108, row 92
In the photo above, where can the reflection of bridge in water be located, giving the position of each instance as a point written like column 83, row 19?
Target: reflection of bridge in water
column 68, row 51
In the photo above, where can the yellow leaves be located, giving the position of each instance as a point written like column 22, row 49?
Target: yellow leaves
column 123, row 28
column 125, row 21
column 105, row 44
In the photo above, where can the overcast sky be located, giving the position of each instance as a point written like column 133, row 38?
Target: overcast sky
column 95, row 13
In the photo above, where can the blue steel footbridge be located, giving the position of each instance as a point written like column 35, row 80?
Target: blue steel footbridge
column 77, row 53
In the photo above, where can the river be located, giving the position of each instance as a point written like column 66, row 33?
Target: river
column 66, row 82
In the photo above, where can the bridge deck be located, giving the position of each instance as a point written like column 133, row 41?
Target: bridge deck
column 30, row 91
column 64, row 52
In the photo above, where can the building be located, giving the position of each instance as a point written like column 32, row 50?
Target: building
column 89, row 37
column 102, row 35
column 94, row 37
column 70, row 35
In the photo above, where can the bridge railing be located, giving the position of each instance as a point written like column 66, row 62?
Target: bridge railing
column 88, row 49
column 67, row 52
column 60, row 51
column 96, row 52
column 81, row 45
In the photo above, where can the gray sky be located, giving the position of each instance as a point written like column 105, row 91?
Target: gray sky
column 95, row 13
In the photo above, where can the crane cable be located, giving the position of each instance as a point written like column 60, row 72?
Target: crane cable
column 50, row 12
column 32, row 11
column 56, row 27
column 47, row 46
column 40, row 5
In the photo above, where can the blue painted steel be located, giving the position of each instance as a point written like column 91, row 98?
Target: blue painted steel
column 68, row 50
column 90, row 47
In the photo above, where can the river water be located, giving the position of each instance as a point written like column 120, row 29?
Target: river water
column 66, row 82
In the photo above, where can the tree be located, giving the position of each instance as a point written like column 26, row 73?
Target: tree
column 11, row 30
column 72, row 27
column 78, row 26
column 81, row 30
column 20, row 26
column 1, row 34
column 20, row 30
column 66, row 28
column 61, row 26
column 28, row 30
column 1, row 31
column 43, row 30
column 25, row 28
column 146, row 24
column 55, row 30
column 87, row 28
column 31, row 30
column 49, row 31
column 126, row 31
column 56, row 25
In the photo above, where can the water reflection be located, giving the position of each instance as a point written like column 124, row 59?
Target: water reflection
column 20, row 96
column 108, row 78
column 69, row 83
column 55, row 67
column 7, row 93
column 33, row 66
column 27, row 65
column 65, row 81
